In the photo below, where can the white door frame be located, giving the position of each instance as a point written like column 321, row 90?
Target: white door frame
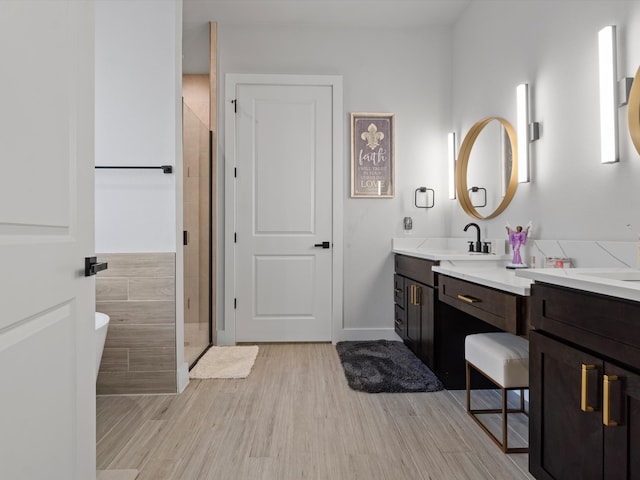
column 227, row 325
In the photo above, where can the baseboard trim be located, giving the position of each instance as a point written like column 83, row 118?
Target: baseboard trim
column 222, row 338
column 183, row 376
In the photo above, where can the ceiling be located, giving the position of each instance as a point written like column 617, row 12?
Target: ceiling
column 326, row 13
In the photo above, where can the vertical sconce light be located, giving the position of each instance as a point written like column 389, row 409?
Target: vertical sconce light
column 451, row 164
column 608, row 85
column 522, row 128
column 527, row 132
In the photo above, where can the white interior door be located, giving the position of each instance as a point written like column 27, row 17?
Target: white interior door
column 283, row 211
column 47, row 349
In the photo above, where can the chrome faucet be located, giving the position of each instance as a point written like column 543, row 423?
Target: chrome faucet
column 478, row 244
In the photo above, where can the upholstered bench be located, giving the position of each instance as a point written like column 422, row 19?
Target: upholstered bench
column 503, row 358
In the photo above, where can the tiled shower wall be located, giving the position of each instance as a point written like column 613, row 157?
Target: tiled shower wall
column 137, row 291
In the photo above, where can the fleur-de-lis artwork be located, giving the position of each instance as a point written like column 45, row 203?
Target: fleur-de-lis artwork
column 372, row 155
column 372, row 136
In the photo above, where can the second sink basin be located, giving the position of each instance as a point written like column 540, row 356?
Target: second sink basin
column 624, row 276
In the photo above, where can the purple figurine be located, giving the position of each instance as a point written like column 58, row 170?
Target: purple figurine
column 517, row 238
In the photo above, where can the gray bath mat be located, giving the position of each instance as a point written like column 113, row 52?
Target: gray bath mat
column 385, row 366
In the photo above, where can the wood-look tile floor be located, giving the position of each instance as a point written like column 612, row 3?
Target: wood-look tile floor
column 296, row 418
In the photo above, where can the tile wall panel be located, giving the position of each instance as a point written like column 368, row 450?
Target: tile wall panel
column 133, row 312
column 152, row 359
column 152, row 289
column 115, row 360
column 109, row 289
column 126, row 383
column 137, row 291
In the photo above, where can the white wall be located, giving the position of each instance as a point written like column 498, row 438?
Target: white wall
column 554, row 47
column 138, row 121
column 404, row 71
column 137, row 89
column 495, row 45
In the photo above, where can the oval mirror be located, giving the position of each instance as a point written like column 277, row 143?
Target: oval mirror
column 634, row 111
column 487, row 168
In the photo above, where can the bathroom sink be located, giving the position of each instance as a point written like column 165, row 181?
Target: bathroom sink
column 624, row 276
column 446, row 248
column 443, row 251
column 457, row 253
column 614, row 282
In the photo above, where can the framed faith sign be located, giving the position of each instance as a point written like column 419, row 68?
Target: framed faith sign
column 372, row 155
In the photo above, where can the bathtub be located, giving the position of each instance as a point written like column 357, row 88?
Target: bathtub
column 102, row 323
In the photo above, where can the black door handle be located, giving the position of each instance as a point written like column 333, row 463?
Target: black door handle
column 91, row 266
column 323, row 245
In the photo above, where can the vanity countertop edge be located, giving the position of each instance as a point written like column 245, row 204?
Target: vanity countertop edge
column 588, row 280
column 497, row 277
column 490, row 272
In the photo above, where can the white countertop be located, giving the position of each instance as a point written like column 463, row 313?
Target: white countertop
column 605, row 281
column 494, row 276
column 481, row 268
column 491, row 272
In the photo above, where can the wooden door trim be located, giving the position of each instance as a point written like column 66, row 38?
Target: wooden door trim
column 226, row 290
column 213, row 181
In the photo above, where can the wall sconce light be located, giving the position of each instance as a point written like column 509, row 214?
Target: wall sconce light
column 624, row 90
column 428, row 200
column 451, row 164
column 607, row 55
column 633, row 111
column 527, row 132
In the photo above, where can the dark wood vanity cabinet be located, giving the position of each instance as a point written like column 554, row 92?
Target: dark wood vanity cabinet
column 434, row 313
column 505, row 311
column 420, row 318
column 465, row 308
column 584, row 362
column 414, row 305
column 400, row 314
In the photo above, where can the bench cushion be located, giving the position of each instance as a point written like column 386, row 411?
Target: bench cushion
column 503, row 357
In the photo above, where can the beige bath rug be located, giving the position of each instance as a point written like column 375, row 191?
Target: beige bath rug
column 225, row 362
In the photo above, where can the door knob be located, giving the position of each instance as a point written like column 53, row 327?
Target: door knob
column 323, row 245
column 91, row 266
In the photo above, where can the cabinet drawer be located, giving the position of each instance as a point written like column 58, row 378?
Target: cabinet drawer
column 400, row 322
column 398, row 290
column 500, row 309
column 418, row 269
column 607, row 325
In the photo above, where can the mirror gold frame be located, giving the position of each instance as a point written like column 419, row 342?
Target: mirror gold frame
column 463, row 163
column 634, row 111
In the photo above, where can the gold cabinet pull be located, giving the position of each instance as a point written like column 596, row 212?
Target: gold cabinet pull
column 397, row 290
column 584, row 402
column 398, row 323
column 418, row 295
column 414, row 297
column 606, row 400
column 468, row 299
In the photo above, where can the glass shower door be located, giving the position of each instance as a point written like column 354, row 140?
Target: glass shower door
column 197, row 236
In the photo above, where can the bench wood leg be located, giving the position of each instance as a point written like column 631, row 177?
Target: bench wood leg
column 503, row 410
